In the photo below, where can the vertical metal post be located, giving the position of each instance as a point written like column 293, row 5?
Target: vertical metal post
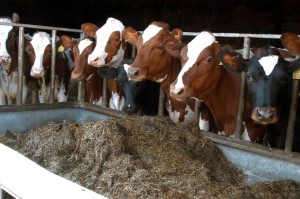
column 241, row 105
column 104, row 93
column 81, row 84
column 20, row 65
column 197, row 110
column 53, row 59
column 1, row 194
column 133, row 51
column 292, row 117
column 161, row 105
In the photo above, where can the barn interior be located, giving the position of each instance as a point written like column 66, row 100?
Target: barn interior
column 130, row 158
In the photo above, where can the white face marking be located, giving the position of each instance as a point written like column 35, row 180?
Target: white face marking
column 103, row 35
column 150, row 32
column 195, row 47
column 268, row 63
column 39, row 42
column 83, row 44
column 3, row 37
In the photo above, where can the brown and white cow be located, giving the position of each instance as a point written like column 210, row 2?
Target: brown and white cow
column 9, row 42
column 203, row 78
column 110, row 47
column 93, row 82
column 158, row 60
column 40, row 52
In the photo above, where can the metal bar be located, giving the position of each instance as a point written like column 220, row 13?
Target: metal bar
column 161, row 102
column 104, row 93
column 292, row 117
column 241, row 104
column 53, row 59
column 197, row 110
column 81, row 84
column 20, row 65
column 41, row 27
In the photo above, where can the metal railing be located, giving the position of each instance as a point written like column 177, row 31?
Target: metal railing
column 246, row 51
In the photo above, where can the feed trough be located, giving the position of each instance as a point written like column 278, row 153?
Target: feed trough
column 259, row 163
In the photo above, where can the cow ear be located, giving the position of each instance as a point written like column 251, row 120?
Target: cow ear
column 231, row 60
column 89, row 29
column 15, row 19
column 68, row 42
column 291, row 42
column 173, row 46
column 130, row 35
column 177, row 33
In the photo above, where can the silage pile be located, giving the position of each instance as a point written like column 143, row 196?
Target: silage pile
column 141, row 157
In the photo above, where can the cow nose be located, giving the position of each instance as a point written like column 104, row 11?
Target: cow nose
column 4, row 59
column 130, row 109
column 265, row 113
column 133, row 72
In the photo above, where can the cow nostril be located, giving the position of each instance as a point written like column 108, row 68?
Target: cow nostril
column 136, row 73
column 262, row 113
column 180, row 92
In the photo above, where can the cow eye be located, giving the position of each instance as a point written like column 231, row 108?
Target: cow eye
column 209, row 59
column 159, row 46
column 250, row 78
column 116, row 39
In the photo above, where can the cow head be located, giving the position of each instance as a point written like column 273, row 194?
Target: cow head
column 268, row 81
column 40, row 52
column 81, row 49
column 7, row 40
column 156, row 49
column 200, row 68
column 109, row 49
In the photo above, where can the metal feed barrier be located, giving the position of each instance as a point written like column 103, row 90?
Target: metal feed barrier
column 284, row 164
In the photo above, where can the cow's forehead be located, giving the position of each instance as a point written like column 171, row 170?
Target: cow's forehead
column 40, row 40
column 268, row 63
column 110, row 26
column 83, row 44
column 5, row 29
column 195, row 47
column 150, row 32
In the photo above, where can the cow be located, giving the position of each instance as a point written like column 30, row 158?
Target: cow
column 9, row 42
column 93, row 82
column 203, row 78
column 110, row 47
column 39, row 50
column 136, row 96
column 269, row 80
column 158, row 60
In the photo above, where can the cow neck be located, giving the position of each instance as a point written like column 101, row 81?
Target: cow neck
column 171, row 74
column 227, row 92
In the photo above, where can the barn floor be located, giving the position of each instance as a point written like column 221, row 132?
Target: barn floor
column 141, row 157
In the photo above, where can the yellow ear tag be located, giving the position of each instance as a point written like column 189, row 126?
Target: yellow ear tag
column 296, row 74
column 60, row 49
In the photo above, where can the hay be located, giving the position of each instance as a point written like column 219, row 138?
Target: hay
column 141, row 157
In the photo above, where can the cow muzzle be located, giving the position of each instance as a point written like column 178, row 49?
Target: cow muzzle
column 4, row 60
column 264, row 115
